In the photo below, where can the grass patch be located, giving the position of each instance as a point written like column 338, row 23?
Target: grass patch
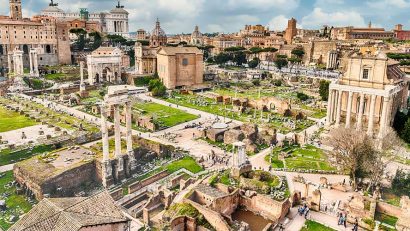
column 8, row 156
column 61, row 77
column 188, row 163
column 387, row 219
column 315, row 226
column 17, row 205
column 164, row 116
column 11, row 120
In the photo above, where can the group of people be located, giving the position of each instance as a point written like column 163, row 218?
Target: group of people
column 303, row 210
column 342, row 219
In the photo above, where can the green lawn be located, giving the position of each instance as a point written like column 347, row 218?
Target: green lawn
column 314, row 226
column 61, row 77
column 17, row 205
column 303, row 158
column 163, row 115
column 11, row 120
column 384, row 218
column 8, row 156
column 210, row 106
column 188, row 163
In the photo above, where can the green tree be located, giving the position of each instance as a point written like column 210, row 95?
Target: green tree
column 253, row 63
column 405, row 134
column 401, row 183
column 302, row 96
column 298, row 52
column 281, row 63
column 324, row 89
column 157, row 88
column 399, row 121
column 222, row 58
column 239, row 58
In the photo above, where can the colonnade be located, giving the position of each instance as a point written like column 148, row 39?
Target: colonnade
column 119, row 157
column 334, row 110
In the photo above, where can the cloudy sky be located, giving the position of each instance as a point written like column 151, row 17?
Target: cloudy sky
column 179, row 16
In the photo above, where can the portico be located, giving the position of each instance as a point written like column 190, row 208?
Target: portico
column 368, row 96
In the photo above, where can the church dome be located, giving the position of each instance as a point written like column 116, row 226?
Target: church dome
column 196, row 33
column 158, row 31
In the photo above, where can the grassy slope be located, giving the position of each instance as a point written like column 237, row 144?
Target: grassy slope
column 15, row 203
column 11, row 120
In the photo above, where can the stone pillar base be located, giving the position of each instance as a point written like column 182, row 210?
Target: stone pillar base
column 120, row 171
column 107, row 177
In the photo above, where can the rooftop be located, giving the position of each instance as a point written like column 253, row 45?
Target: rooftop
column 71, row 214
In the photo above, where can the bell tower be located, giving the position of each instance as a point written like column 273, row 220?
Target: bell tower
column 15, row 9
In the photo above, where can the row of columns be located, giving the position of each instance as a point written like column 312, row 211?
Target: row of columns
column 17, row 66
column 33, row 63
column 119, row 26
column 117, row 138
column 334, row 111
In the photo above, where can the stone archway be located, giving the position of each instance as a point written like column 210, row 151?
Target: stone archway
column 107, row 74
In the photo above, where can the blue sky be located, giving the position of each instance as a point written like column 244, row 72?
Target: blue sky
column 179, row 16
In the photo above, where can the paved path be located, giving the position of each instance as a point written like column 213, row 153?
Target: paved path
column 295, row 222
column 6, row 168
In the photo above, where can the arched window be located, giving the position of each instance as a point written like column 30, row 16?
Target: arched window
column 48, row 49
column 25, row 49
column 1, row 50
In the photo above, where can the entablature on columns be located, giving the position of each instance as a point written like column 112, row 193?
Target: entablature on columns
column 387, row 92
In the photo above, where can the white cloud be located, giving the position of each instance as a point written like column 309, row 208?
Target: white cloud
column 385, row 4
column 278, row 23
column 264, row 4
column 318, row 18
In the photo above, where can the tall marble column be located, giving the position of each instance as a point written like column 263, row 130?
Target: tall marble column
column 82, row 84
column 104, row 133
column 9, row 62
column 117, row 130
column 383, row 118
column 361, row 111
column 329, row 108
column 339, row 108
column 128, row 126
column 371, row 116
column 36, row 71
column 349, row 110
column 30, row 56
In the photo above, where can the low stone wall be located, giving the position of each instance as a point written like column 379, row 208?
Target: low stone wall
column 214, row 218
column 183, row 223
column 117, row 194
column 141, row 184
column 69, row 181
column 389, row 209
column 267, row 207
column 161, row 149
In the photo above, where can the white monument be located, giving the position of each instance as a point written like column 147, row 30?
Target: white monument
column 18, row 62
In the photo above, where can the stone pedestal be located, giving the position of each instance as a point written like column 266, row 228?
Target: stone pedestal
column 107, row 177
column 120, row 171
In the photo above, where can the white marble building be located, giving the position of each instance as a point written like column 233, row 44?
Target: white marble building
column 113, row 22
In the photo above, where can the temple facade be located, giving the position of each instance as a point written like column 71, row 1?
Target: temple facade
column 369, row 94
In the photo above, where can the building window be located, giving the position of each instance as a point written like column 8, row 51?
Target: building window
column 366, row 73
column 185, row 62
